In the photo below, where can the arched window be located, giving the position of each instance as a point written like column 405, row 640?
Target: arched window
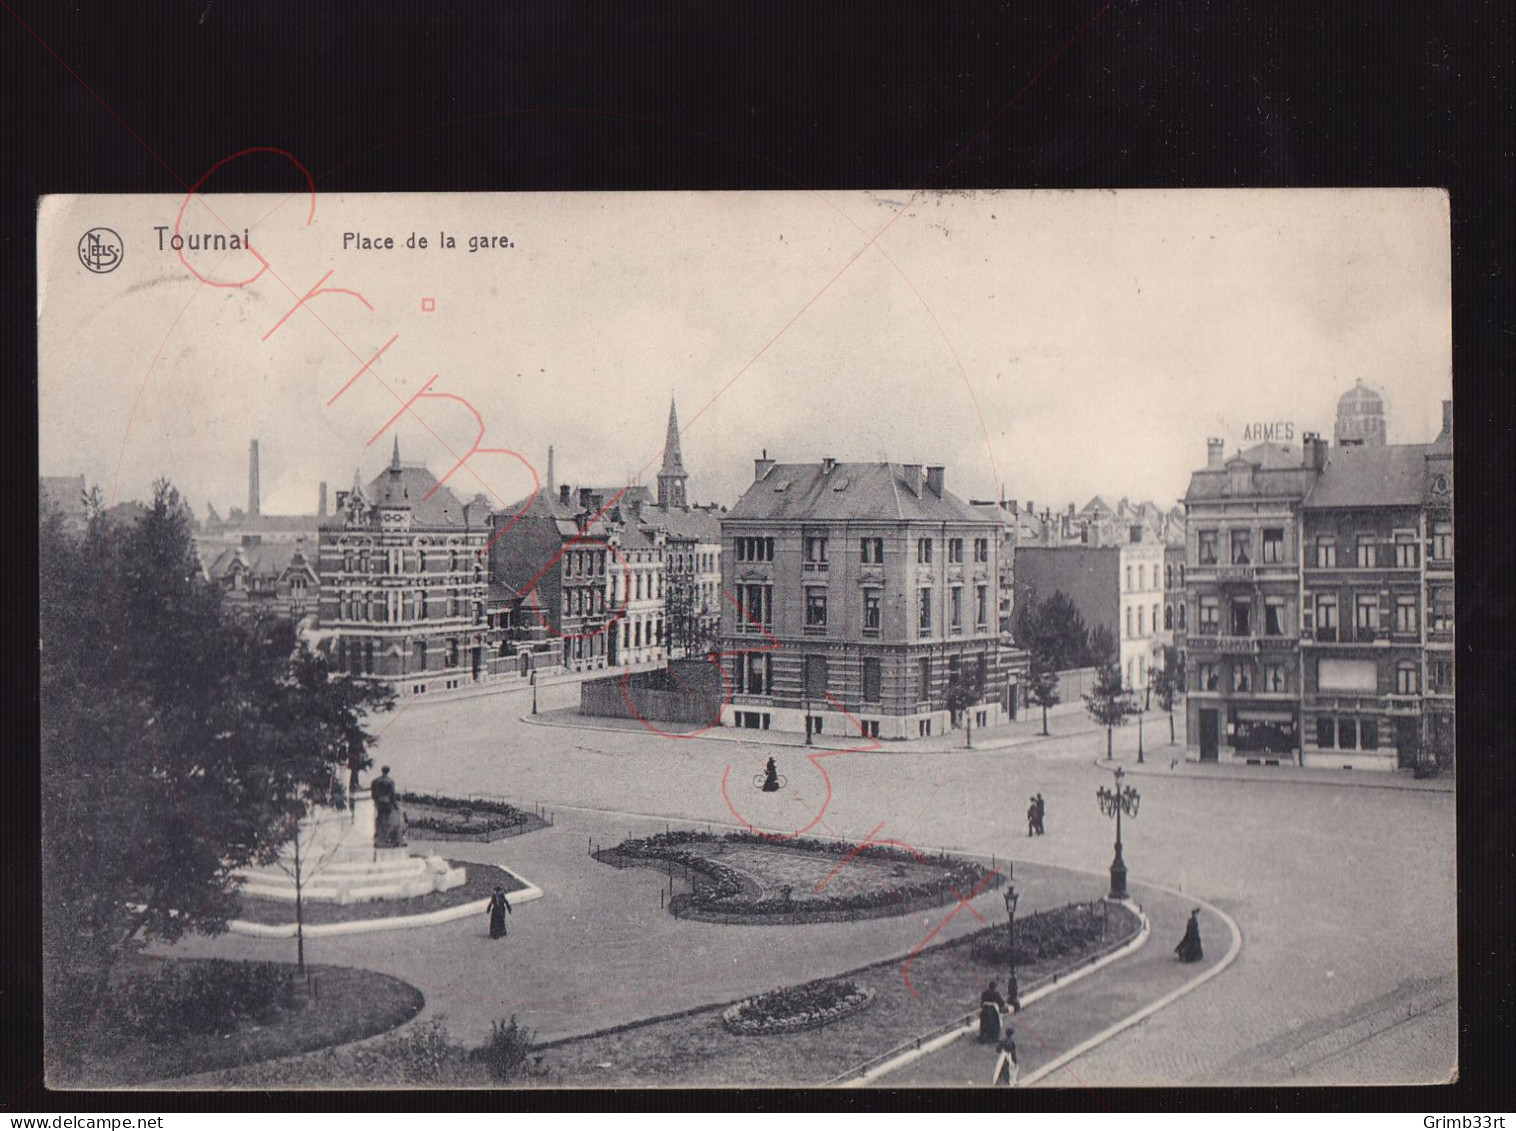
column 1168, row 617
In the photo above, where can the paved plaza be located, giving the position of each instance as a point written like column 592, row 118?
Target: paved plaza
column 1345, row 895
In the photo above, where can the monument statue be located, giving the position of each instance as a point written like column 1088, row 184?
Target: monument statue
column 389, row 822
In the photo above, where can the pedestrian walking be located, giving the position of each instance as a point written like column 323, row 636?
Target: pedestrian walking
column 499, row 906
column 1042, row 812
column 1007, row 1071
column 1031, row 817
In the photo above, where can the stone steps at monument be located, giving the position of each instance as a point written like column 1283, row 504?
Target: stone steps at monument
column 341, row 864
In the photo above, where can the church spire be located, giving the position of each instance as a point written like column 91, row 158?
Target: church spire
column 672, row 476
column 395, row 457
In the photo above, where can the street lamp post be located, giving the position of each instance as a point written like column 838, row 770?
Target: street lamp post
column 807, row 720
column 1123, row 799
column 1139, row 736
column 1013, row 987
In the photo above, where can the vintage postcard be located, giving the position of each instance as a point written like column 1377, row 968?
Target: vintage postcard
column 847, row 639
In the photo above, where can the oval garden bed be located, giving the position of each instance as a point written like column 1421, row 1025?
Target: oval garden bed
column 747, row 878
column 429, row 817
column 811, row 1006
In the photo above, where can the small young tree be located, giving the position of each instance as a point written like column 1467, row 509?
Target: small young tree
column 1043, row 691
column 1108, row 702
column 1166, row 688
column 963, row 693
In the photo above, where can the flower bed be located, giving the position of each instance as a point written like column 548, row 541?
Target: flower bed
column 1049, row 935
column 721, row 894
column 456, row 818
column 796, row 1008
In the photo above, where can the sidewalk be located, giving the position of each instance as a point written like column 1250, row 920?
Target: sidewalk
column 1064, row 721
column 1053, row 1026
column 1160, row 763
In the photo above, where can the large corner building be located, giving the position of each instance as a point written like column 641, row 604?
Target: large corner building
column 865, row 590
column 1319, row 586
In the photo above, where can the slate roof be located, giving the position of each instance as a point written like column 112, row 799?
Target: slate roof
column 545, row 505
column 1280, row 473
column 687, row 525
column 267, row 559
column 407, row 486
column 807, row 492
column 1391, row 475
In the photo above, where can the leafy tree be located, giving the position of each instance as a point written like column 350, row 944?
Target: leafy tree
column 1166, row 686
column 1054, row 630
column 1102, row 649
column 1043, row 691
column 1108, row 702
column 178, row 745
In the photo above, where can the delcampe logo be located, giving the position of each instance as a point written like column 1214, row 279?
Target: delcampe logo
column 101, row 250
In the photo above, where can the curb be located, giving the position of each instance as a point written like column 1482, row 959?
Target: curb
column 913, row 1055
column 1224, row 774
column 393, row 923
column 906, row 746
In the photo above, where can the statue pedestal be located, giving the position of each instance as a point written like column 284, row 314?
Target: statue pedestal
column 339, row 863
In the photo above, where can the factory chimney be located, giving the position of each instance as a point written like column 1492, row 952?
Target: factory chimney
column 252, row 480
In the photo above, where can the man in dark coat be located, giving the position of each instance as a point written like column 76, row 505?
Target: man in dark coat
column 1042, row 811
column 1189, row 949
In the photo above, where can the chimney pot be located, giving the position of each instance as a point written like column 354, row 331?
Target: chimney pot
column 936, row 479
column 828, row 465
column 322, row 512
column 762, row 466
column 1447, row 417
column 912, row 473
column 1215, row 452
column 563, row 492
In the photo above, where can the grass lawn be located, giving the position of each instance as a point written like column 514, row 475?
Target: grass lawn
column 773, row 867
column 699, row 1049
column 481, row 881
column 344, row 1004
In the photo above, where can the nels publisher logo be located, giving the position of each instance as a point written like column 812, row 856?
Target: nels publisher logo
column 101, row 250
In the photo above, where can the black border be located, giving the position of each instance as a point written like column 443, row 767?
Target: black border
column 551, row 94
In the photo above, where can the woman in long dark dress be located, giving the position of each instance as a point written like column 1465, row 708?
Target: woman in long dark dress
column 1189, row 949
column 498, row 907
column 990, row 1004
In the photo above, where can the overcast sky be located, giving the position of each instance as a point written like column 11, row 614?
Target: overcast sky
column 1058, row 344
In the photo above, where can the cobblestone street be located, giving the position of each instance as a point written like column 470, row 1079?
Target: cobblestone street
column 1345, row 895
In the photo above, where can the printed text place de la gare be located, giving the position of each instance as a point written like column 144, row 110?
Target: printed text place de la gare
column 362, row 241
